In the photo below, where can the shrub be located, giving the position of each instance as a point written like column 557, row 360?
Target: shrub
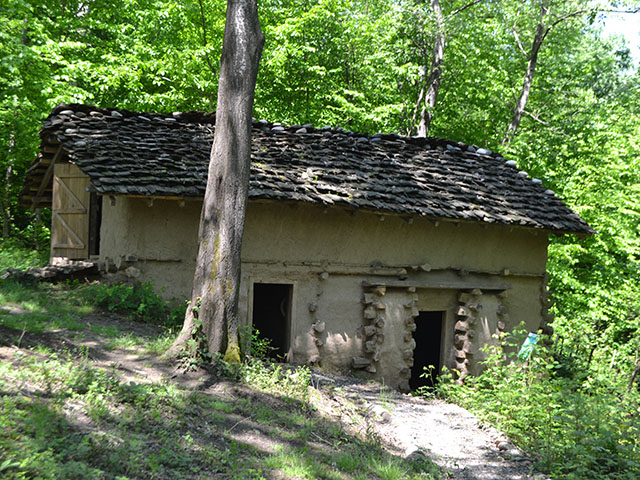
column 139, row 301
column 575, row 426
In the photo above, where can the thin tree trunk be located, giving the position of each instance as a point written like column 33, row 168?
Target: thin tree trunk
column 541, row 32
column 633, row 377
column 431, row 87
column 38, row 221
column 5, row 203
column 435, row 73
column 214, row 300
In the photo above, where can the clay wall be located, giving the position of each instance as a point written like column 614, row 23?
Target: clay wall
column 359, row 279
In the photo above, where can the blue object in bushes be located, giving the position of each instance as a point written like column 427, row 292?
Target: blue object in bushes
column 527, row 347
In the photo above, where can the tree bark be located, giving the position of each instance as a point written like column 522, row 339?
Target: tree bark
column 214, row 299
column 541, row 33
column 432, row 85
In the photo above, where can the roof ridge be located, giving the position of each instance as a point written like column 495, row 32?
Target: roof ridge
column 192, row 116
column 200, row 117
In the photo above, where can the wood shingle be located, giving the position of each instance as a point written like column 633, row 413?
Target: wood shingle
column 159, row 155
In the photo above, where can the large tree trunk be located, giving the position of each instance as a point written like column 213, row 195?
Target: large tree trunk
column 432, row 85
column 541, row 32
column 214, row 300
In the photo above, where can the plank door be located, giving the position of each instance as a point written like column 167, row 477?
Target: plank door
column 70, row 213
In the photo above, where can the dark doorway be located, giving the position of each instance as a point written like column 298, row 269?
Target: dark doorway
column 271, row 315
column 95, row 220
column 428, row 337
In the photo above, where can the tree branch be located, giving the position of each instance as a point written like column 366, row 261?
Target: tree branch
column 517, row 37
column 536, row 118
column 633, row 377
column 568, row 15
column 546, row 124
column 470, row 4
column 562, row 19
column 204, row 39
column 620, row 11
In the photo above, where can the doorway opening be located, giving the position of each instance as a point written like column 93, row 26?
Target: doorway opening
column 272, row 316
column 95, row 221
column 428, row 337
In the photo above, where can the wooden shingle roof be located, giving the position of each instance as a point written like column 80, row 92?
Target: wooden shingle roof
column 158, row 155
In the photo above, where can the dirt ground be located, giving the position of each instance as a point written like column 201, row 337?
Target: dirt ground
column 447, row 434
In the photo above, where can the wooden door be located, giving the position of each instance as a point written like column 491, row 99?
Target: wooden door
column 70, row 213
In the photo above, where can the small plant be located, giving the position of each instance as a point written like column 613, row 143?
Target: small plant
column 259, row 347
column 274, row 378
column 430, row 375
column 195, row 353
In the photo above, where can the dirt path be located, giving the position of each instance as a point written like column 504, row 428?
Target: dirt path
column 449, row 435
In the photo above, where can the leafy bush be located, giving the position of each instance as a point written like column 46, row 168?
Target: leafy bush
column 139, row 301
column 575, row 426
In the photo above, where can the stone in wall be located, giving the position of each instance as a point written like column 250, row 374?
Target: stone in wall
column 481, row 318
column 373, row 315
column 547, row 318
column 411, row 312
column 317, row 330
column 462, row 344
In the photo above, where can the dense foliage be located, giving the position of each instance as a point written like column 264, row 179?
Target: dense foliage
column 360, row 64
column 575, row 426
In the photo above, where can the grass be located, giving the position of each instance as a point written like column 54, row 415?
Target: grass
column 45, row 307
column 62, row 416
column 14, row 255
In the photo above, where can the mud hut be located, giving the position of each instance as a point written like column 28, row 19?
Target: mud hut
column 379, row 254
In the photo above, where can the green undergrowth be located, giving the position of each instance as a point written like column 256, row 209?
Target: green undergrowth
column 13, row 254
column 138, row 301
column 577, row 425
column 42, row 307
column 277, row 378
column 61, row 417
column 70, row 307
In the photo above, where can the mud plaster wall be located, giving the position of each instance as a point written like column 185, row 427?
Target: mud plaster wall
column 326, row 254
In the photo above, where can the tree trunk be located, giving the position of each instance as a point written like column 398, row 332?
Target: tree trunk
column 435, row 73
column 541, row 32
column 431, row 87
column 633, row 377
column 214, row 300
column 5, row 202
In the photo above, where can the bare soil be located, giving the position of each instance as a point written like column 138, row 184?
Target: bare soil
column 449, row 435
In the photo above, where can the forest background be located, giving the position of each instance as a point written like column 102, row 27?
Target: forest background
column 361, row 65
